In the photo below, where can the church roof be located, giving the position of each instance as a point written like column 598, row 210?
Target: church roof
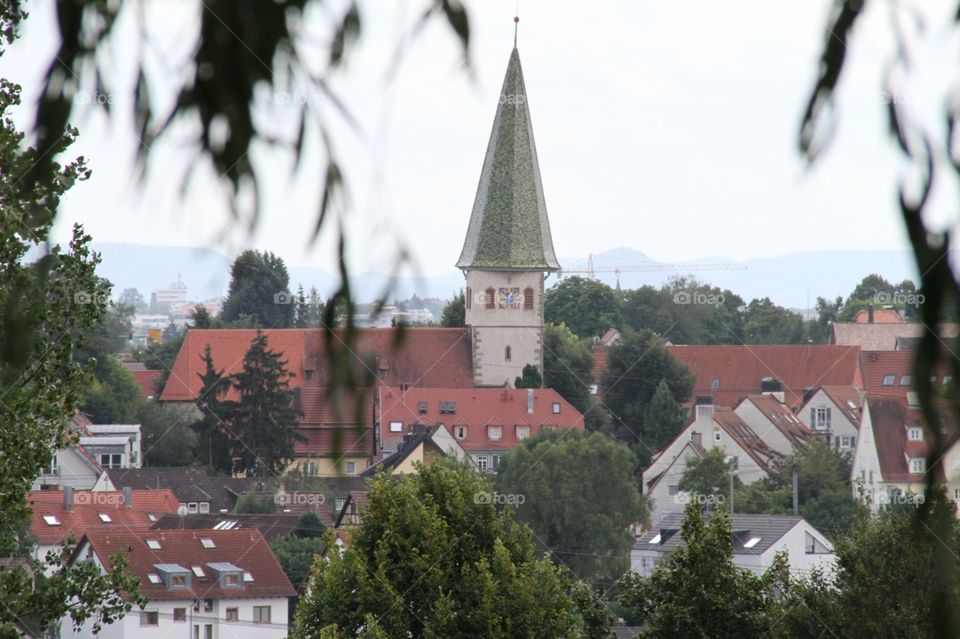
column 509, row 228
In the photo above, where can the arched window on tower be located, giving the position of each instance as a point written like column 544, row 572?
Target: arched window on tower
column 469, row 298
column 528, row 298
column 489, row 295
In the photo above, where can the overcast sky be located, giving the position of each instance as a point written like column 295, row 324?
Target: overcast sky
column 668, row 127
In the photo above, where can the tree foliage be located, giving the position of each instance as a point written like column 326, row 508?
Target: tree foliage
column 259, row 295
column 567, row 365
column 454, row 314
column 433, row 558
column 212, row 436
column 587, row 307
column 530, row 378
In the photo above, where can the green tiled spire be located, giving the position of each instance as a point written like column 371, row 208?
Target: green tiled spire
column 509, row 228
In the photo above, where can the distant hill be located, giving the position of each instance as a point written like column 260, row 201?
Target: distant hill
column 794, row 280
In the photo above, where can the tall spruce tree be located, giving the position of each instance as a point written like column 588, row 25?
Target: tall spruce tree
column 263, row 418
column 665, row 417
column 214, row 441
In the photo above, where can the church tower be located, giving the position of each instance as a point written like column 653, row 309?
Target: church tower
column 508, row 249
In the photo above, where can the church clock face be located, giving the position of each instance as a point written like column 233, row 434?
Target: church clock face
column 508, row 298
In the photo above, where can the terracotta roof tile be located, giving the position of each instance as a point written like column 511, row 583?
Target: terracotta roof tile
column 782, row 418
column 882, row 337
column 88, row 506
column 434, row 357
column 737, row 370
column 477, row 408
column 245, row 549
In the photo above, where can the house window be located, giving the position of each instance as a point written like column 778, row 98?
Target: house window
column 482, row 462
column 489, row 298
column 51, row 520
column 733, row 462
column 232, row 614
column 495, row 432
column 192, row 507
column 207, row 543
column 178, row 581
column 460, row 432
column 918, row 465
column 339, row 504
column 716, row 436
column 889, row 379
column 528, row 298
column 548, row 427
column 448, row 408
column 208, row 631
column 310, row 468
column 523, row 432
column 153, row 544
column 308, row 375
column 179, row 615
column 905, row 380
column 847, row 441
column 422, row 408
column 108, row 460
column 231, row 580
column 556, row 408
column 396, row 427
column 53, row 467
column 149, row 617
column 956, row 494
column 715, row 384
column 914, row 434
column 507, row 354
column 820, row 418
column 261, row 614
column 351, row 468
column 208, row 605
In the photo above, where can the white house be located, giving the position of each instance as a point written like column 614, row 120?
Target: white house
column 773, row 422
column 209, row 584
column 720, row 427
column 114, row 445
column 664, row 489
column 757, row 539
column 833, row 415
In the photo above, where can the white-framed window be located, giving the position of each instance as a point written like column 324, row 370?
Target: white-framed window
column 523, row 432
column 111, row 460
column 204, row 506
column 338, row 504
column 396, row 427
column 914, row 434
column 460, row 432
column 310, row 468
column 820, row 418
column 53, row 468
column 918, row 465
column 261, row 614
column 482, row 462
column 351, row 468
column 495, row 432
column 556, row 408
column 193, row 507
column 847, row 441
column 716, row 436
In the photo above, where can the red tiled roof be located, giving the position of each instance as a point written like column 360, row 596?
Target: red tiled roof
column 432, row 357
column 326, row 417
column 782, row 418
column 148, row 381
column 841, row 395
column 599, row 361
column 84, row 516
column 890, row 418
column 245, row 549
column 322, row 441
column 877, row 365
column 476, row 408
column 880, row 316
column 739, row 369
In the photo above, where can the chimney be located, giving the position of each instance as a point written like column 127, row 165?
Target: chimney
column 529, row 401
column 869, row 313
column 128, row 496
column 704, row 417
column 697, row 438
column 68, row 498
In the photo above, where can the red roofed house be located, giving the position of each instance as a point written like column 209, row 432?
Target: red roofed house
column 833, row 414
column 80, row 467
column 337, row 435
column 890, row 460
column 145, row 378
column 713, row 427
column 486, row 422
column 730, row 373
column 201, row 584
column 78, row 512
column 434, row 357
column 891, row 373
column 774, row 422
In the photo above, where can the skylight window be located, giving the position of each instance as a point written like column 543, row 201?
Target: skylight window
column 51, row 520
column 715, row 384
column 153, row 544
column 105, row 518
column 851, row 404
column 753, row 541
column 656, row 539
column 154, row 578
column 889, row 379
column 247, row 577
column 905, row 380
column 206, row 542
column 198, row 571
column 151, row 517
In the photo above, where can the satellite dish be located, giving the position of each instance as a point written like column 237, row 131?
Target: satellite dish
column 182, row 510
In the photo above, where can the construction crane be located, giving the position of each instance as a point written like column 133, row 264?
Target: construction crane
column 591, row 270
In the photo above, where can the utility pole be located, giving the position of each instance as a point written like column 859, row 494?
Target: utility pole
column 796, row 492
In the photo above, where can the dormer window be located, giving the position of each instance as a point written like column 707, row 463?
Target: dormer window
column 914, row 434
column 495, row 433
column 460, row 432
column 523, row 432
column 918, row 465
column 232, row 580
column 227, row 574
column 175, row 576
column 422, row 408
